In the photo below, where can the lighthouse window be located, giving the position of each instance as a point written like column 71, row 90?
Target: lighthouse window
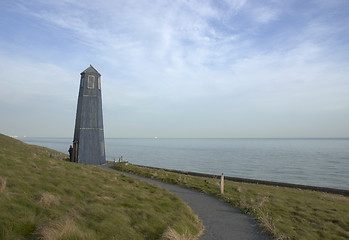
column 99, row 83
column 91, row 82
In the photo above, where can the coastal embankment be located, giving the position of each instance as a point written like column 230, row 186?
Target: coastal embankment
column 256, row 181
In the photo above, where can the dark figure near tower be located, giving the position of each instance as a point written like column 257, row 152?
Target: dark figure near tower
column 70, row 150
column 88, row 147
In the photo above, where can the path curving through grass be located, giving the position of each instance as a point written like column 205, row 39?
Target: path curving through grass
column 220, row 219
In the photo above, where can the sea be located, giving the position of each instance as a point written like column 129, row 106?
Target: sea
column 322, row 162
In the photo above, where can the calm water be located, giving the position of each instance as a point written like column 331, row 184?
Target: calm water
column 317, row 162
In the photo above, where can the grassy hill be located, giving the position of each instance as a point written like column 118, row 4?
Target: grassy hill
column 46, row 198
column 286, row 213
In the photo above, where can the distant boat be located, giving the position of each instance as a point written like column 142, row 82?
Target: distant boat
column 155, row 137
column 18, row 137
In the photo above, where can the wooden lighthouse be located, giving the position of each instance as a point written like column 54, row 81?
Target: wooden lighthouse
column 88, row 143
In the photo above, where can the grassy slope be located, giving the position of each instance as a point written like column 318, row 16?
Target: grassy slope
column 41, row 197
column 284, row 212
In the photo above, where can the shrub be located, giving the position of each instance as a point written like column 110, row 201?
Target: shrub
column 47, row 199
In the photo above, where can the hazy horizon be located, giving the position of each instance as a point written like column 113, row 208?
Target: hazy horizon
column 23, row 137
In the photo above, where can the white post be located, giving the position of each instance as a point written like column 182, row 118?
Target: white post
column 221, row 184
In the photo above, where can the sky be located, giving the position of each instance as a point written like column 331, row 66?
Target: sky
column 178, row 68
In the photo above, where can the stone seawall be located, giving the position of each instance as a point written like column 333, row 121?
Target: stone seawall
column 263, row 182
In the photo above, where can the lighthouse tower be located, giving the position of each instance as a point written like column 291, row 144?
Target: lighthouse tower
column 88, row 143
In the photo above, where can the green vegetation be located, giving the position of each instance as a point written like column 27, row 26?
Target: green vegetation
column 286, row 213
column 45, row 198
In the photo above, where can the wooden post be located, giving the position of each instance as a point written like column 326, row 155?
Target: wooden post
column 221, row 184
column 75, row 151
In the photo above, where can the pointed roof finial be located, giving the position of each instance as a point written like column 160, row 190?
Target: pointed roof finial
column 90, row 69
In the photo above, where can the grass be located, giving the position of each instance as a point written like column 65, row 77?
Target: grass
column 285, row 213
column 46, row 198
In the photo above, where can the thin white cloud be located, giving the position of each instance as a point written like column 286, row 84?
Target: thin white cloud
column 235, row 5
column 265, row 14
column 25, row 79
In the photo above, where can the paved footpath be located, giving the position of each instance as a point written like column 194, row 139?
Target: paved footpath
column 221, row 220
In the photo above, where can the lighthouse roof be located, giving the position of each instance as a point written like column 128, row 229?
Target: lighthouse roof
column 90, row 69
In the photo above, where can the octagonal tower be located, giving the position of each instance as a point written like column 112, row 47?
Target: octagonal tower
column 88, row 143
